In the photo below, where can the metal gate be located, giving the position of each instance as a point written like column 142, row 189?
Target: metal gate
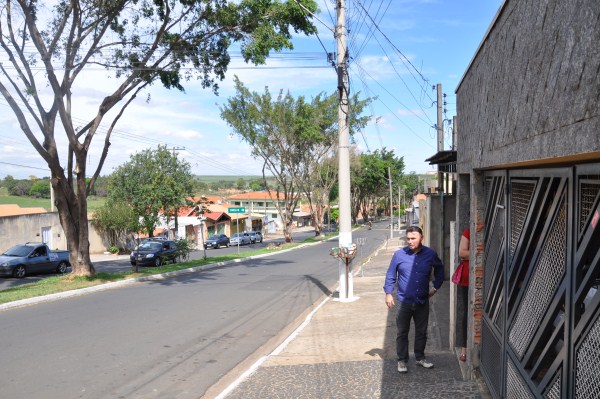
column 540, row 324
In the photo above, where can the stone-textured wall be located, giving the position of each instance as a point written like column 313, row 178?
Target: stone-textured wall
column 532, row 91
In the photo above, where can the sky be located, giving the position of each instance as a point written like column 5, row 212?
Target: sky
column 399, row 49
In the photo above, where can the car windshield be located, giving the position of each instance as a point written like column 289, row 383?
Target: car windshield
column 150, row 246
column 213, row 237
column 238, row 235
column 18, row 250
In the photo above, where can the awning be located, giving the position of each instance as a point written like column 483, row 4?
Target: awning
column 302, row 214
column 446, row 161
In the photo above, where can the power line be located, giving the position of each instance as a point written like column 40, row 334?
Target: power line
column 397, row 117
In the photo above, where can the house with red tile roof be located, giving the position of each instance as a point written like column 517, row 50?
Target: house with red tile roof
column 197, row 227
column 262, row 210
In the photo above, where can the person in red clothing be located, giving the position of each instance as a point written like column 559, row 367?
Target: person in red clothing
column 463, row 286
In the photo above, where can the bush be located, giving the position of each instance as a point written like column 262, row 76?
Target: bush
column 184, row 247
column 113, row 249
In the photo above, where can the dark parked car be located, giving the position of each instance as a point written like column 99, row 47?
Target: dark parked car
column 255, row 236
column 216, row 241
column 154, row 253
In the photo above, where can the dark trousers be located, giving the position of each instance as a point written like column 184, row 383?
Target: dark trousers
column 419, row 313
column 461, row 340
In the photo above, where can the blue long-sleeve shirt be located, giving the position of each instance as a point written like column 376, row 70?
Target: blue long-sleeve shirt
column 410, row 272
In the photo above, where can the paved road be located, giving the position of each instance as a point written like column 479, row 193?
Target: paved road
column 164, row 339
column 120, row 265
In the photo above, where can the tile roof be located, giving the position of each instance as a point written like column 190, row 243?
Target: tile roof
column 16, row 210
column 256, row 195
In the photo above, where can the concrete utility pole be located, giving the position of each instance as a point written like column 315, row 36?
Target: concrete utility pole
column 345, row 238
column 440, row 131
column 399, row 210
column 391, row 203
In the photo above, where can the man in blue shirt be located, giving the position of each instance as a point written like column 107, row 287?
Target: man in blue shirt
column 410, row 271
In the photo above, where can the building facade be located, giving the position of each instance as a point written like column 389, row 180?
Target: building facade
column 528, row 164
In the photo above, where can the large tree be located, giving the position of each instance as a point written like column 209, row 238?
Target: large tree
column 291, row 136
column 153, row 183
column 116, row 220
column 370, row 175
column 139, row 42
column 320, row 164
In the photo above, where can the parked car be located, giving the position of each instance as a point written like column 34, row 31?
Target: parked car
column 240, row 239
column 255, row 236
column 154, row 253
column 32, row 257
column 216, row 241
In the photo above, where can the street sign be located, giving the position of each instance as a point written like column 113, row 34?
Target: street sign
column 236, row 210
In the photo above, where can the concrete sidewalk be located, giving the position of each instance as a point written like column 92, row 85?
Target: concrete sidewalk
column 347, row 350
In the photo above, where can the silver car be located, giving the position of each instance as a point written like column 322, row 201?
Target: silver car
column 240, row 239
column 255, row 236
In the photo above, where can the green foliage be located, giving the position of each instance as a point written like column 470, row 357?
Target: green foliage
column 257, row 185
column 335, row 214
column 137, row 42
column 113, row 249
column 241, row 184
column 40, row 189
column 8, row 182
column 115, row 219
column 19, row 188
column 152, row 182
column 370, row 175
column 410, row 183
column 184, row 247
column 292, row 136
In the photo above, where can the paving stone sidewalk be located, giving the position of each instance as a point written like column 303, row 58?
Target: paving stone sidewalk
column 348, row 351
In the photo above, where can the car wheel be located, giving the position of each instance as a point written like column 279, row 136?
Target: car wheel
column 19, row 271
column 157, row 261
column 61, row 268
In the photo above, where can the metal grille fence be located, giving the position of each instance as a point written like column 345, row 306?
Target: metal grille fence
column 521, row 194
column 546, row 277
column 491, row 352
column 589, row 191
column 587, row 380
column 515, row 386
column 554, row 391
column 540, row 335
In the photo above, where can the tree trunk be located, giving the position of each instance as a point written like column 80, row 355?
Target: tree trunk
column 72, row 211
column 287, row 231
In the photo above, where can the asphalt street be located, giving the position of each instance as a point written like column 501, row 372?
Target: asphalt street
column 121, row 263
column 171, row 338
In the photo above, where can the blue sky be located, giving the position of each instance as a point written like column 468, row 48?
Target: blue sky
column 399, row 51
